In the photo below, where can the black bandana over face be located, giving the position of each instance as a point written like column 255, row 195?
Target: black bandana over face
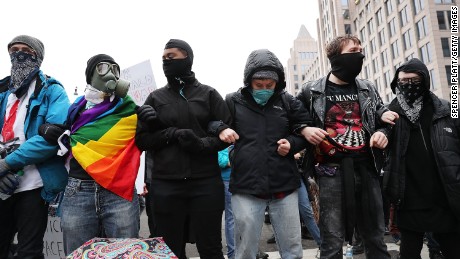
column 24, row 67
column 347, row 66
column 412, row 91
column 177, row 67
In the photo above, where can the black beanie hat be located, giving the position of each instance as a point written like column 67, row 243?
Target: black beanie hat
column 175, row 43
column 92, row 62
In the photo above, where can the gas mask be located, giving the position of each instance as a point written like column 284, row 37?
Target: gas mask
column 106, row 78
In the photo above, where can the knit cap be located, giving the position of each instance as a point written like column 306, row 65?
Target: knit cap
column 93, row 61
column 32, row 42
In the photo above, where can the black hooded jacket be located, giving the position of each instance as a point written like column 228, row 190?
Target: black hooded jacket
column 257, row 168
column 430, row 178
column 194, row 109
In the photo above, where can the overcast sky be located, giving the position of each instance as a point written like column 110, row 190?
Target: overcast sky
column 221, row 34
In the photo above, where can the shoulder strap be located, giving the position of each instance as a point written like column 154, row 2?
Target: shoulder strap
column 286, row 101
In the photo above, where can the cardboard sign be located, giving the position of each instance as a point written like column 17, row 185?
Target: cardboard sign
column 142, row 81
column 53, row 246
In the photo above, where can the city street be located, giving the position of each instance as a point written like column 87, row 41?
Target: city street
column 309, row 246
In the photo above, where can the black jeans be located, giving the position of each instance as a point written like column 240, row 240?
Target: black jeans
column 27, row 214
column 189, row 205
column 370, row 225
column 412, row 243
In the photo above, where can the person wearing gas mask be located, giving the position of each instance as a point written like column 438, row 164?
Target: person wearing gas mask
column 32, row 175
column 423, row 166
column 346, row 136
column 100, row 199
column 186, row 188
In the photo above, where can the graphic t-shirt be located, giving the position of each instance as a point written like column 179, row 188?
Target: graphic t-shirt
column 343, row 123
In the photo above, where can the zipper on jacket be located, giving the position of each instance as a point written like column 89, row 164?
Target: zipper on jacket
column 423, row 137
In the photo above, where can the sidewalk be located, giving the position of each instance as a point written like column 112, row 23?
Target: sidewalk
column 311, row 253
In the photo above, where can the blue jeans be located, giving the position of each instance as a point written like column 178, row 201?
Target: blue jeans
column 306, row 213
column 248, row 212
column 89, row 210
column 229, row 223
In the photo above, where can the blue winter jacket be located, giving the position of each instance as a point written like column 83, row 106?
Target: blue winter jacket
column 48, row 104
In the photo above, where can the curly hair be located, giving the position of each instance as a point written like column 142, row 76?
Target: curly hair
column 335, row 47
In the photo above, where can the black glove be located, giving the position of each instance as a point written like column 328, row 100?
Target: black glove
column 9, row 183
column 146, row 113
column 4, row 168
column 51, row 132
column 189, row 140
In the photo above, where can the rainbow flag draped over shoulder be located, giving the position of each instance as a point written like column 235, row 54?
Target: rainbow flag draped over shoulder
column 102, row 141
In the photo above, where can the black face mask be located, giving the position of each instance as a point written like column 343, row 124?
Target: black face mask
column 412, row 91
column 347, row 66
column 177, row 67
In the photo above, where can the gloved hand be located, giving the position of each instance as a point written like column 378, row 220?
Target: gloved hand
column 9, row 183
column 51, row 132
column 189, row 140
column 4, row 167
column 146, row 113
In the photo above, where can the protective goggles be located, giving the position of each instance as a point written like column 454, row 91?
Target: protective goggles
column 103, row 68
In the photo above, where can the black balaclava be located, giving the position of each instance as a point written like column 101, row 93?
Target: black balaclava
column 178, row 68
column 347, row 66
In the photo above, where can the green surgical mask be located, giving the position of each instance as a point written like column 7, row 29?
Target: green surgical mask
column 261, row 96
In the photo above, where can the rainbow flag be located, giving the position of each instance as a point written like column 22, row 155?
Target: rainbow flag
column 102, row 141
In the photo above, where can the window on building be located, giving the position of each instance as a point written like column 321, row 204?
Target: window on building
column 445, row 47
column 367, row 71
column 418, row 6
column 355, row 23
column 362, row 33
column 397, row 65
column 373, row 46
column 449, row 19
column 403, row 16
column 296, row 78
column 443, row 1
column 425, row 53
column 347, row 28
column 441, row 20
column 294, row 67
column 392, row 27
column 408, row 40
column 384, row 58
column 375, row 63
column 379, row 17
column 344, row 3
column 395, row 49
column 411, row 56
column 449, row 74
column 433, row 80
column 377, row 84
column 387, row 76
column 346, row 14
column 422, row 28
column 370, row 26
column 389, row 7
column 382, row 37
column 296, row 86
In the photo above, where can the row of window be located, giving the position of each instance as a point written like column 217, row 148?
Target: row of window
column 444, row 20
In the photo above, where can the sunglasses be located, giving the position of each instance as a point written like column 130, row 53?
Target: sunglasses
column 409, row 81
column 103, row 68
